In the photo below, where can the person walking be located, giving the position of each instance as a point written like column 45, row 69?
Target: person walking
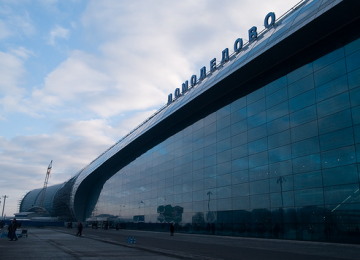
column 12, row 230
column 80, row 228
column 172, row 229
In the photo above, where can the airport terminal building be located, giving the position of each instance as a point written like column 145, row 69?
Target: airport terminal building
column 264, row 143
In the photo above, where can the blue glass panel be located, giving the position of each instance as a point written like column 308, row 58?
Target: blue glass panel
column 285, row 183
column 198, row 154
column 210, row 119
column 209, row 150
column 210, row 160
column 239, row 127
column 210, row 139
column 276, row 85
column 338, row 157
column 259, row 173
column 352, row 47
column 304, row 131
column 187, row 168
column 328, row 59
column 223, row 168
column 187, row 130
column 337, row 139
column 340, row 175
column 223, row 192
column 341, row 194
column 259, row 187
column 353, row 61
column 223, row 145
column 355, row 97
column 257, row 159
column 309, row 197
column 223, row 134
column 256, row 107
column 354, row 79
column 330, row 72
column 239, row 151
column 223, row 180
column 355, row 112
column 224, row 156
column 223, row 122
column 305, row 147
column 285, row 199
column 240, row 177
column 307, row 163
column 257, row 133
column 332, row 88
column 280, row 168
column 187, row 140
column 255, row 96
column 187, row 158
column 238, row 104
column 187, row 197
column 279, row 139
column 210, row 183
column 276, row 98
column 240, row 190
column 278, row 125
column 256, row 120
column 304, row 100
column 240, row 164
column 198, row 125
column 280, row 154
column 241, row 203
column 238, row 115
column 224, row 204
column 198, row 134
column 239, row 139
column 308, row 180
column 357, row 135
column 222, row 112
column 333, row 105
column 196, row 165
column 260, row 201
column 258, row 146
column 301, row 86
column 335, row 122
column 303, row 116
column 210, row 171
column 299, row 73
column 277, row 111
column 198, row 196
column 198, row 175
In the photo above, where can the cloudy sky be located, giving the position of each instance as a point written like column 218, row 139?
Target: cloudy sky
column 76, row 75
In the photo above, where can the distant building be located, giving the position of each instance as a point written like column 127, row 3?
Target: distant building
column 265, row 145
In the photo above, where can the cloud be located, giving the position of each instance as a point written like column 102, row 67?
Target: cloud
column 11, row 71
column 15, row 22
column 4, row 31
column 57, row 32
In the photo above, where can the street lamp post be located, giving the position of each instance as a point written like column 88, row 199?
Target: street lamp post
column 2, row 215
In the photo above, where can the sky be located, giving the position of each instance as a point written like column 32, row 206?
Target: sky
column 76, row 75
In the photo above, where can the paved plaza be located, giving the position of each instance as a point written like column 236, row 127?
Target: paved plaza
column 61, row 243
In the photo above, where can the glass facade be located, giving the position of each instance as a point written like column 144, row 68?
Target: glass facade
column 282, row 161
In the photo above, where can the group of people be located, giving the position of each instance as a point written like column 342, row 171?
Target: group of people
column 12, row 229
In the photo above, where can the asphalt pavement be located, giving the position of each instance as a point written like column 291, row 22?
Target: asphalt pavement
column 61, row 243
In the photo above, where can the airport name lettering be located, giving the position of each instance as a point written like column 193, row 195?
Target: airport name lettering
column 269, row 21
